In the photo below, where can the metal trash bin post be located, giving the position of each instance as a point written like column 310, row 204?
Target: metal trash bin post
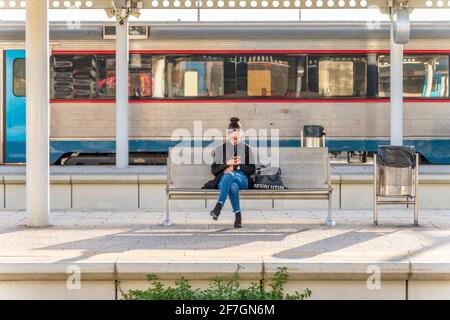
column 398, row 184
column 312, row 136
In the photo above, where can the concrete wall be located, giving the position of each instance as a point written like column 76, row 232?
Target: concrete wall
column 133, row 191
column 55, row 290
column 321, row 289
column 109, row 277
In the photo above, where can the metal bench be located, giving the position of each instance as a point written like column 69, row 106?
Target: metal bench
column 305, row 173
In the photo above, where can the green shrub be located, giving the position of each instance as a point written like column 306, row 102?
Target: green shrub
column 219, row 289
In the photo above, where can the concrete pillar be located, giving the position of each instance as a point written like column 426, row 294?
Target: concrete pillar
column 396, row 89
column 122, row 157
column 37, row 113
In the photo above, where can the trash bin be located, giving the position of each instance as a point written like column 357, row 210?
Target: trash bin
column 313, row 136
column 395, row 170
column 396, row 178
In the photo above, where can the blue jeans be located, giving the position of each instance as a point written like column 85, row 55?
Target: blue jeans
column 230, row 184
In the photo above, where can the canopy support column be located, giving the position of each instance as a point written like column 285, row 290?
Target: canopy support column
column 396, row 89
column 399, row 35
column 37, row 113
column 122, row 58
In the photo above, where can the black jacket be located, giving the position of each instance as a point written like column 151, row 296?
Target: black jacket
column 225, row 152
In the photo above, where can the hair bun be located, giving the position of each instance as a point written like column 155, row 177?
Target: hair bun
column 234, row 124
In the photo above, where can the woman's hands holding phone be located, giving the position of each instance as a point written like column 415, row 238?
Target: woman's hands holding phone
column 234, row 161
column 231, row 163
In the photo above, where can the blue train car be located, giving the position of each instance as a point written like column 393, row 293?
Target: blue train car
column 14, row 139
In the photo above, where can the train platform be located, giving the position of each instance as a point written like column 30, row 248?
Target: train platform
column 115, row 250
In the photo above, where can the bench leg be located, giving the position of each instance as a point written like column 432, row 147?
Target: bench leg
column 375, row 210
column 329, row 221
column 166, row 221
column 416, row 211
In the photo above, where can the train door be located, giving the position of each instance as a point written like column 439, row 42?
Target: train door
column 14, row 112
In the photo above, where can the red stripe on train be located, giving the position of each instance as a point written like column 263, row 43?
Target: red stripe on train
column 248, row 51
column 254, row 101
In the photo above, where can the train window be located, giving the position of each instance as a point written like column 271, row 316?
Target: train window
column 61, row 77
column 19, row 77
column 84, row 76
column 423, row 76
column 372, row 75
column 297, row 76
column 229, row 74
column 337, row 76
column 139, row 77
column 266, row 76
column 158, row 77
column 106, row 81
column 195, row 76
column 73, row 77
column 140, row 73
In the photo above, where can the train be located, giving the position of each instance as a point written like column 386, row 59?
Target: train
column 272, row 75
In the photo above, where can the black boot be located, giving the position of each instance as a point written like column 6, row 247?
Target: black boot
column 238, row 220
column 215, row 213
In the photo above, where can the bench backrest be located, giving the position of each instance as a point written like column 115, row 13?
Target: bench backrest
column 300, row 167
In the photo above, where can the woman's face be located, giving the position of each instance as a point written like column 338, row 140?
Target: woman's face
column 234, row 137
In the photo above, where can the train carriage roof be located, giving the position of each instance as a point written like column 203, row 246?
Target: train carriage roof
column 15, row 31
